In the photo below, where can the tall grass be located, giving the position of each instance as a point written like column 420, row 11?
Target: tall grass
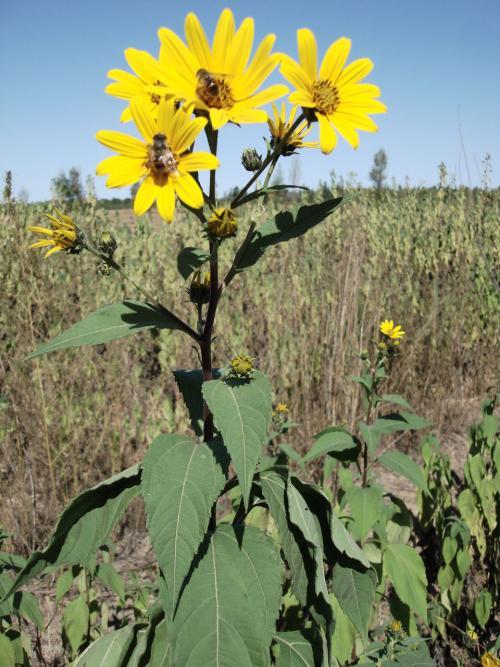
column 426, row 258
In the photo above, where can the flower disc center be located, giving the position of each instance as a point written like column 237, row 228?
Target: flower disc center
column 325, row 96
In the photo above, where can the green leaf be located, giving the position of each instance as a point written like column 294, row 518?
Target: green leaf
column 345, row 543
column 366, row 506
column 396, row 399
column 7, row 653
column 355, row 593
column 189, row 259
column 76, row 621
column 370, row 435
column 181, row 481
column 110, row 578
column 344, row 635
column 467, row 506
column 241, row 410
column 283, row 227
column 227, row 612
column 84, row 525
column 482, row 607
column 161, row 646
column 109, row 323
column 64, row 583
column 190, row 383
column 450, row 546
column 330, row 441
column 399, row 421
column 110, row 650
column 404, row 465
column 300, row 648
column 269, row 190
column 405, row 569
column 292, row 454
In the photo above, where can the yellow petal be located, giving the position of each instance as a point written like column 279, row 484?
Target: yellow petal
column 143, row 118
column 359, row 121
column 197, row 40
column 126, row 115
column 294, row 73
column 308, row 52
column 335, row 59
column 165, row 201
column 122, row 143
column 302, row 98
column 198, row 161
column 241, row 48
column 354, row 72
column 144, row 65
column 56, row 248
column 362, row 106
column 224, row 33
column 259, row 69
column 218, row 118
column 145, row 196
column 187, row 189
column 165, row 121
column 122, row 170
column 244, row 114
column 267, row 95
column 40, row 230
column 327, row 136
column 182, row 64
column 346, row 129
column 42, row 243
column 185, row 130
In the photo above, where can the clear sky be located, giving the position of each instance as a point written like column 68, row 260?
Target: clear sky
column 437, row 63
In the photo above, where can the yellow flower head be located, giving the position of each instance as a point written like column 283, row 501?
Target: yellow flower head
column 279, row 127
column 333, row 94
column 222, row 223
column 63, row 234
column 159, row 159
column 242, row 365
column 489, row 660
column 147, row 82
column 388, row 329
column 219, row 80
column 282, row 409
column 396, row 626
column 472, row 635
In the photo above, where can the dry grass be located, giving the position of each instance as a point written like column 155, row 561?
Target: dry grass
column 424, row 258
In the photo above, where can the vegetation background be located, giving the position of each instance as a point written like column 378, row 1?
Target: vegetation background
column 428, row 258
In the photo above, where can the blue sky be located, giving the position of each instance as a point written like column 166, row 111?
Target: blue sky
column 436, row 63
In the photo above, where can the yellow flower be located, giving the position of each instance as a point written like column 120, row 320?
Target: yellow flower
column 222, row 223
column 280, row 125
column 388, row 329
column 282, row 408
column 62, row 235
column 219, row 80
column 489, row 660
column 160, row 159
column 396, row 626
column 242, row 365
column 472, row 635
column 147, row 82
column 333, row 95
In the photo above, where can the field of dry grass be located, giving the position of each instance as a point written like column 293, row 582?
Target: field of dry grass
column 426, row 258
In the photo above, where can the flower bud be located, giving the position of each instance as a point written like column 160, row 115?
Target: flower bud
column 223, row 223
column 251, row 160
column 199, row 290
column 242, row 366
column 107, row 244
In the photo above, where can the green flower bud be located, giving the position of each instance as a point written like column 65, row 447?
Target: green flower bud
column 251, row 160
column 242, row 366
column 107, row 244
column 199, row 290
column 223, row 223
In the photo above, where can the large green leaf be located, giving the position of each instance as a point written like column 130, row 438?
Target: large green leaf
column 366, row 506
column 161, row 646
column 344, row 634
column 331, row 441
column 190, row 383
column 108, row 651
column 109, row 323
column 189, row 259
column 227, row 611
column 181, row 480
column 404, row 465
column 355, row 593
column 75, row 621
column 345, row 543
column 300, row 648
column 23, row 603
column 242, row 410
column 84, row 525
column 283, row 227
column 405, row 569
column 399, row 421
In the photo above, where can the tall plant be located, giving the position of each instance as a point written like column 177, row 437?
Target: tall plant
column 225, row 581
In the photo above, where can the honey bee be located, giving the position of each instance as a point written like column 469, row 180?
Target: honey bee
column 211, row 87
column 160, row 155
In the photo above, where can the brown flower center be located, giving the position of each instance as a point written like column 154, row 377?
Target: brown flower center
column 214, row 90
column 326, row 96
column 161, row 159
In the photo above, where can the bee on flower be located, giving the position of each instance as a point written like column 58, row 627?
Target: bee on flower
column 63, row 234
column 160, row 160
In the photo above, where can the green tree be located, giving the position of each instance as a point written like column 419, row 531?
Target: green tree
column 377, row 174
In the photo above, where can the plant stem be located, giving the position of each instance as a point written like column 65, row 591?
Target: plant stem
column 206, row 337
column 368, row 417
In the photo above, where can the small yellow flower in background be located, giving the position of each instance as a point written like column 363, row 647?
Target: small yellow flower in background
column 282, row 408
column 220, row 80
column 333, row 95
column 394, row 333
column 489, row 660
column 63, row 234
column 146, row 82
column 279, row 126
column 160, row 159
column 396, row 626
column 472, row 635
column 242, row 365
column 223, row 223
